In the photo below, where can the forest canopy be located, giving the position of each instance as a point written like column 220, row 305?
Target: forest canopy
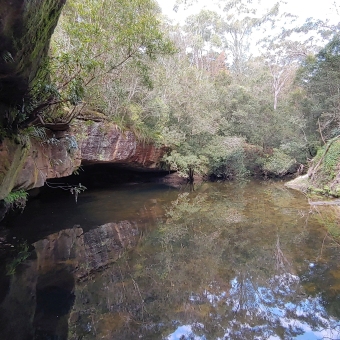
column 196, row 88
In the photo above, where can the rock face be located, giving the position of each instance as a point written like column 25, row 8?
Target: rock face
column 25, row 31
column 58, row 158
column 105, row 143
column 27, row 165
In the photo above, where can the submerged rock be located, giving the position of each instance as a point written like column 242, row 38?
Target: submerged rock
column 300, row 183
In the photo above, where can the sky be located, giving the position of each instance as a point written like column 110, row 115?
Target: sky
column 303, row 8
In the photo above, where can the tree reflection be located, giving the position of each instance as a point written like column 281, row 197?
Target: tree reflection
column 223, row 264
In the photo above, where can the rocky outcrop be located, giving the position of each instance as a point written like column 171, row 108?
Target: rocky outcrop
column 59, row 156
column 27, row 165
column 300, row 183
column 25, row 31
column 103, row 142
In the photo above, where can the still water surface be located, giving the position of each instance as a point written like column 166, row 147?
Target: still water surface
column 145, row 261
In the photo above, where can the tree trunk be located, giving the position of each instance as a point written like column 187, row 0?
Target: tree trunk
column 191, row 175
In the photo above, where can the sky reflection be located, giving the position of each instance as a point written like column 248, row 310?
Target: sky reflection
column 271, row 307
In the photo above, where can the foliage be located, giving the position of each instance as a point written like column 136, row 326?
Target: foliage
column 90, row 51
column 320, row 78
column 73, row 189
column 35, row 132
column 278, row 163
column 76, row 190
column 332, row 159
column 226, row 158
column 325, row 168
column 208, row 104
column 94, row 50
column 186, row 165
column 16, row 199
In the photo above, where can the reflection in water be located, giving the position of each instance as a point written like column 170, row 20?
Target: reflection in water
column 54, row 300
column 225, row 261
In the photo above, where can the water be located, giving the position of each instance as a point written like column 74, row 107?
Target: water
column 226, row 261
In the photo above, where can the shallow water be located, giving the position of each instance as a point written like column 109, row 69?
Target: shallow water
column 145, row 261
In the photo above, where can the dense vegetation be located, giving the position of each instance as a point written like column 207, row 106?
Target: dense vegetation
column 196, row 88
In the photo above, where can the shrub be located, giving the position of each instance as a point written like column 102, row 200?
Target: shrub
column 278, row 163
column 325, row 163
column 16, row 199
column 226, row 158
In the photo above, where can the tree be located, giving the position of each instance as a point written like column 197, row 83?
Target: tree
column 240, row 22
column 204, row 34
column 320, row 77
column 282, row 58
column 94, row 43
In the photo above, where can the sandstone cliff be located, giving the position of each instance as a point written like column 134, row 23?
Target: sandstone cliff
column 27, row 165
column 25, row 31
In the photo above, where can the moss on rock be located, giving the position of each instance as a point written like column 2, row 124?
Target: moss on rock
column 18, row 158
column 25, row 31
column 323, row 176
column 324, row 172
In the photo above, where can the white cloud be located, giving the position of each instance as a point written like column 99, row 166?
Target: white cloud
column 302, row 8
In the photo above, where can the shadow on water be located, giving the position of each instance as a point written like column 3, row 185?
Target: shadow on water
column 143, row 261
column 113, row 194
column 37, row 305
column 54, row 300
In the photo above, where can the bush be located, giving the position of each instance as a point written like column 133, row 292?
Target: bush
column 325, row 170
column 226, row 158
column 16, row 199
column 329, row 157
column 278, row 164
column 185, row 165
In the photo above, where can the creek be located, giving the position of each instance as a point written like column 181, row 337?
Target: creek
column 227, row 260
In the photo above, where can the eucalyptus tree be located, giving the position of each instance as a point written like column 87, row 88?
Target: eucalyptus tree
column 204, row 35
column 320, row 77
column 231, row 26
column 314, row 29
column 241, row 21
column 282, row 57
column 100, row 45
